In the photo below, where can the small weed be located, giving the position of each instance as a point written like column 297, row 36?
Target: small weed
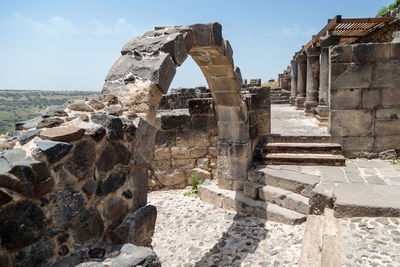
column 395, row 161
column 195, row 184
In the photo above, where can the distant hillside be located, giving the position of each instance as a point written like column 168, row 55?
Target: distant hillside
column 20, row 105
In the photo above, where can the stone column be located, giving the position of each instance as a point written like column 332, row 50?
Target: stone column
column 312, row 86
column 322, row 109
column 301, row 80
column 293, row 87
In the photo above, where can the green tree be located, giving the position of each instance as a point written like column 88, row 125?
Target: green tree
column 386, row 9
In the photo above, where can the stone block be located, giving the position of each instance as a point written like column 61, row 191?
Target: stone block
column 138, row 182
column 389, row 127
column 213, row 151
column 386, row 74
column 203, row 163
column 176, row 121
column 36, row 255
column 170, row 178
column 111, row 183
column 165, row 138
column 390, row 97
column 232, row 168
column 233, row 131
column 180, row 152
column 63, row 134
column 230, row 184
column 395, row 51
column 138, row 229
column 207, row 34
column 226, row 99
column 164, row 164
column 115, row 210
column 204, row 122
column 200, row 174
column 192, row 138
column 201, row 106
column 22, row 224
column 198, row 152
column 112, row 124
column 159, row 69
column 371, row 98
column 143, row 151
column 54, row 151
column 356, row 143
column 372, row 52
column 345, row 75
column 387, row 114
column 49, row 123
column 183, row 163
column 27, row 136
column 251, row 189
column 113, row 154
column 89, row 227
column 351, row 123
column 344, row 99
column 81, row 161
column 162, row 153
column 242, row 150
column 340, row 54
column 385, row 142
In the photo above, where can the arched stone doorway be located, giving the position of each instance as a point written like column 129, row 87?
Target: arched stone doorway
column 145, row 71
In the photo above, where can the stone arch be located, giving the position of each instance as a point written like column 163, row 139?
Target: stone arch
column 145, row 71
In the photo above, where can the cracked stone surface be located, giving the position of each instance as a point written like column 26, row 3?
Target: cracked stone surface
column 190, row 232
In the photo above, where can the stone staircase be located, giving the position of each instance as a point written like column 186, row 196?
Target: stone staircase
column 271, row 194
column 298, row 151
column 279, row 96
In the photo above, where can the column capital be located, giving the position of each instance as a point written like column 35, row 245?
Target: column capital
column 301, row 58
column 313, row 51
column 326, row 41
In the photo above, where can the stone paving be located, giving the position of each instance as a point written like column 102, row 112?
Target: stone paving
column 375, row 171
column 190, row 232
column 286, row 120
column 369, row 241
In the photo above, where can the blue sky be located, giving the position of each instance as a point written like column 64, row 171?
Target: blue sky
column 71, row 45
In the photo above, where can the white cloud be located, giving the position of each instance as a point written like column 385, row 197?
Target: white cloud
column 55, row 25
column 120, row 26
column 295, row 31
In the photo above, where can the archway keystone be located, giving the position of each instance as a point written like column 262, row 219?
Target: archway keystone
column 145, row 71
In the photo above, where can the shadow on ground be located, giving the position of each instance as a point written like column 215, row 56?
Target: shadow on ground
column 240, row 240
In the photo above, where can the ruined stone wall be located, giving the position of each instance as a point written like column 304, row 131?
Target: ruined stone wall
column 187, row 140
column 364, row 89
column 73, row 185
column 385, row 32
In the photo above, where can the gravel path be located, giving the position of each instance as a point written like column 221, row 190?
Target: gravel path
column 370, row 241
column 192, row 233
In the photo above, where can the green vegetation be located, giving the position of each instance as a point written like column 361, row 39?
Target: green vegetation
column 195, row 183
column 395, row 161
column 386, row 9
column 21, row 105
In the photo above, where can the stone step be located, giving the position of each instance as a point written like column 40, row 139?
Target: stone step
column 303, row 159
column 235, row 200
column 295, row 182
column 314, row 148
column 284, row 198
column 276, row 138
column 371, row 200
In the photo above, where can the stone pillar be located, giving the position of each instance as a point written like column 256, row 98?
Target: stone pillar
column 312, row 86
column 322, row 109
column 301, row 80
column 293, row 87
